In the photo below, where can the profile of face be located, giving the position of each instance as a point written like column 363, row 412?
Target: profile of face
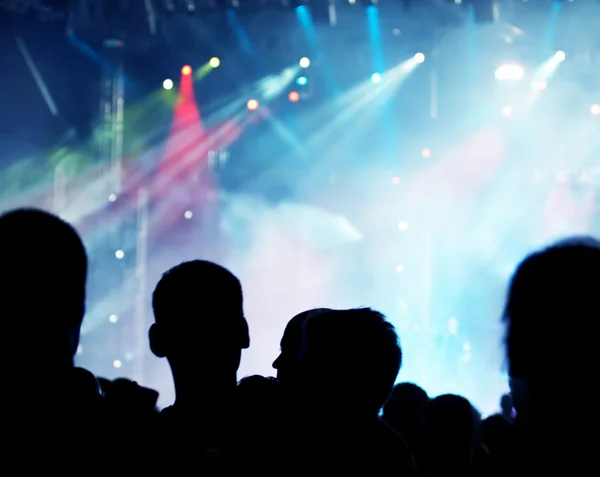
column 286, row 363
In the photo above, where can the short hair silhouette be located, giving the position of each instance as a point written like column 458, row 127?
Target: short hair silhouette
column 552, row 294
column 44, row 264
column 286, row 363
column 452, row 428
column 355, row 350
column 201, row 302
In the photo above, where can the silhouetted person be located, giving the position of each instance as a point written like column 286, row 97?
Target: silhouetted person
column 404, row 411
column 44, row 265
column 49, row 406
column 551, row 307
column 452, row 434
column 200, row 328
column 348, row 365
column 286, row 363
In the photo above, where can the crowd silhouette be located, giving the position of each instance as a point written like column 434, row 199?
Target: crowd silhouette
column 332, row 409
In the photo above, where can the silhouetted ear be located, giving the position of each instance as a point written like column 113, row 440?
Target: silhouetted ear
column 244, row 335
column 157, row 341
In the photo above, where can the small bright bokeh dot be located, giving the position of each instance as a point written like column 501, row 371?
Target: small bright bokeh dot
column 188, row 214
column 399, row 268
column 302, row 80
column 186, row 70
column 419, row 58
column 117, row 363
column 426, row 153
column 294, row 97
column 595, row 110
column 214, row 62
column 403, row 226
column 112, row 198
column 168, row 84
column 119, row 254
column 252, row 105
column 376, row 78
column 113, row 318
column 507, row 111
column 304, row 62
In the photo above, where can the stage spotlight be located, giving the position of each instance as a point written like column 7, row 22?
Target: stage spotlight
column 294, row 97
column 113, row 318
column 376, row 78
column 186, row 70
column 168, row 84
column 120, row 254
column 595, row 110
column 510, row 72
column 419, row 58
column 214, row 62
column 560, row 55
column 117, row 363
column 304, row 62
column 426, row 153
column 252, row 105
column 112, row 198
column 302, row 80
column 188, row 214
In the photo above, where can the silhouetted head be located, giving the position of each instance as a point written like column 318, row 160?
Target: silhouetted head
column 44, row 265
column 350, row 360
column 506, row 404
column 286, row 363
column 404, row 410
column 198, row 309
column 452, row 429
column 552, row 298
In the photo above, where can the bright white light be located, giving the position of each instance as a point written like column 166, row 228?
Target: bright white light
column 119, row 254
column 507, row 111
column 188, row 214
column 452, row 326
column 403, row 226
column 400, row 269
column 560, row 55
column 112, row 197
column 595, row 110
column 510, row 72
column 539, row 85
column 419, row 58
column 376, row 78
column 304, row 62
column 113, row 318
column 168, row 84
column 117, row 363
column 426, row 153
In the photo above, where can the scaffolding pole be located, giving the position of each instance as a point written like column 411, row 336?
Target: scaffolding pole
column 141, row 295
